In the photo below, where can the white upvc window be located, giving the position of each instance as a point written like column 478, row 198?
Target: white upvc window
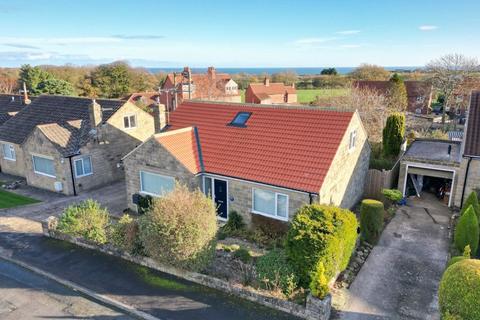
column 9, row 152
column 130, row 121
column 83, row 167
column 154, row 184
column 270, row 204
column 352, row 140
column 44, row 166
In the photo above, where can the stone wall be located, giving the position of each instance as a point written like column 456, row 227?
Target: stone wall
column 473, row 180
column 344, row 184
column 315, row 309
column 17, row 167
column 153, row 157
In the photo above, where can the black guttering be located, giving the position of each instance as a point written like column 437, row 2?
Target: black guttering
column 199, row 149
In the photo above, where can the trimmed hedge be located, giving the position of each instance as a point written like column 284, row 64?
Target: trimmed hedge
column 467, row 231
column 371, row 220
column 459, row 292
column 320, row 233
column 125, row 235
column 472, row 200
column 319, row 284
column 456, row 259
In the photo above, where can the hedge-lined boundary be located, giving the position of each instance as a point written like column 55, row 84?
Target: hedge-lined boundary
column 315, row 309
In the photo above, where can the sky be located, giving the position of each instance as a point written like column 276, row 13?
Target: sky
column 244, row 33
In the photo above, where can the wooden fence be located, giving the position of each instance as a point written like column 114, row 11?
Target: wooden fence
column 381, row 179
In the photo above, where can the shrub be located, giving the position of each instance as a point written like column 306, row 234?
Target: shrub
column 393, row 195
column 371, row 220
column 234, row 223
column 393, row 134
column 467, row 231
column 459, row 291
column 180, row 229
column 275, row 272
column 319, row 284
column 320, row 233
column 124, row 235
column 243, row 255
column 472, row 200
column 86, row 219
column 269, row 232
column 381, row 163
column 454, row 260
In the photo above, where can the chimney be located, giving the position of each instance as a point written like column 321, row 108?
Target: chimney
column 26, row 100
column 266, row 82
column 211, row 73
column 160, row 117
column 293, row 85
column 187, row 72
column 95, row 113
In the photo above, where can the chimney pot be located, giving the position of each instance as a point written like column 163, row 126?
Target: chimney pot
column 211, row 73
column 266, row 82
column 26, row 100
column 95, row 113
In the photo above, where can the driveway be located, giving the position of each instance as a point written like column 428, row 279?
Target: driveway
column 25, row 295
column 113, row 196
column 401, row 276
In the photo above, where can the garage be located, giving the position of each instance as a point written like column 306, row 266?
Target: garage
column 430, row 166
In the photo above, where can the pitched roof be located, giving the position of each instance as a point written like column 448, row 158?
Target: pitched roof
column 184, row 145
column 472, row 139
column 414, row 88
column 62, row 114
column 263, row 91
column 10, row 104
column 286, row 147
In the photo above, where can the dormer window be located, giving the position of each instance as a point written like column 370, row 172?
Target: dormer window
column 241, row 119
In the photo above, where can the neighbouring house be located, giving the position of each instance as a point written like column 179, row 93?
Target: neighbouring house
column 71, row 144
column 261, row 161
column 430, row 165
column 212, row 86
column 270, row 93
column 458, row 104
column 419, row 93
column 11, row 104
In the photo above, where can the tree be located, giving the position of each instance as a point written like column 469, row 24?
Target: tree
column 397, row 94
column 112, row 80
column 287, row 77
column 449, row 73
column 55, row 86
column 317, row 83
column 329, row 71
column 393, row 134
column 370, row 72
column 39, row 81
column 467, row 231
column 7, row 84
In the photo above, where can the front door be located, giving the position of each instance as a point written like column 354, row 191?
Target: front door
column 220, row 196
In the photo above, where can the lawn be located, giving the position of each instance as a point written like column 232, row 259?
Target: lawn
column 10, row 200
column 309, row 95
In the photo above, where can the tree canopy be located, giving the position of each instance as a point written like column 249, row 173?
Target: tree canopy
column 329, row 71
column 370, row 72
column 39, row 81
column 397, row 94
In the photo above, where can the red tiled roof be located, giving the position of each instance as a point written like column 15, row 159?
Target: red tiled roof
column 260, row 89
column 182, row 144
column 286, row 147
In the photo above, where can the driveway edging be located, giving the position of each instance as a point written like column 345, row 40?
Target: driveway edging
column 129, row 310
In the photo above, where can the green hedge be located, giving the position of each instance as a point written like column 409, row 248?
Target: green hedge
column 275, row 272
column 320, row 233
column 472, row 200
column 456, row 259
column 459, row 292
column 467, row 231
column 125, row 235
column 371, row 220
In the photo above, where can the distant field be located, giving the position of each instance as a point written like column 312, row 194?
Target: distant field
column 309, row 95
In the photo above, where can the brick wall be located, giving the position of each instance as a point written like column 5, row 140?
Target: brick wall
column 344, row 184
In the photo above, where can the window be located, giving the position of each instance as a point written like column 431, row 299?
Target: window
column 44, row 166
column 208, row 186
column 155, row 184
column 241, row 119
column 129, row 121
column 353, row 139
column 9, row 152
column 271, row 204
column 83, row 167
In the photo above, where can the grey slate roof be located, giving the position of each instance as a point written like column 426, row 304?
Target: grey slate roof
column 434, row 151
column 64, row 120
column 472, row 139
column 9, row 105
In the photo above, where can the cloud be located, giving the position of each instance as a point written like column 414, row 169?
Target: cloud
column 313, row 41
column 19, row 46
column 427, row 28
column 347, row 32
column 138, row 37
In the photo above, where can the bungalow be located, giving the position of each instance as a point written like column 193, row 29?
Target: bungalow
column 419, row 93
column 71, row 144
column 212, row 86
column 270, row 93
column 261, row 161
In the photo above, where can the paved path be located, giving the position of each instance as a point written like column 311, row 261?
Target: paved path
column 25, row 295
column 113, row 197
column 160, row 295
column 400, row 277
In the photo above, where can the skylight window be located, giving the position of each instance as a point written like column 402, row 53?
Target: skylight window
column 241, row 119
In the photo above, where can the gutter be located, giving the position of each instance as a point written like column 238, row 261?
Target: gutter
column 72, row 175
column 465, row 181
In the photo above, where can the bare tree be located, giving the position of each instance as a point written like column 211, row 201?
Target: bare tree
column 449, row 73
column 7, row 85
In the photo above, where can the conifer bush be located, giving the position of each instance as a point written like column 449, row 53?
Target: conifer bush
column 467, row 231
column 319, row 283
column 393, row 134
column 472, row 200
column 371, row 220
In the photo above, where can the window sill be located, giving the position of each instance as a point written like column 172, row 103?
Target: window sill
column 10, row 159
column 84, row 175
column 284, row 219
column 44, row 174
